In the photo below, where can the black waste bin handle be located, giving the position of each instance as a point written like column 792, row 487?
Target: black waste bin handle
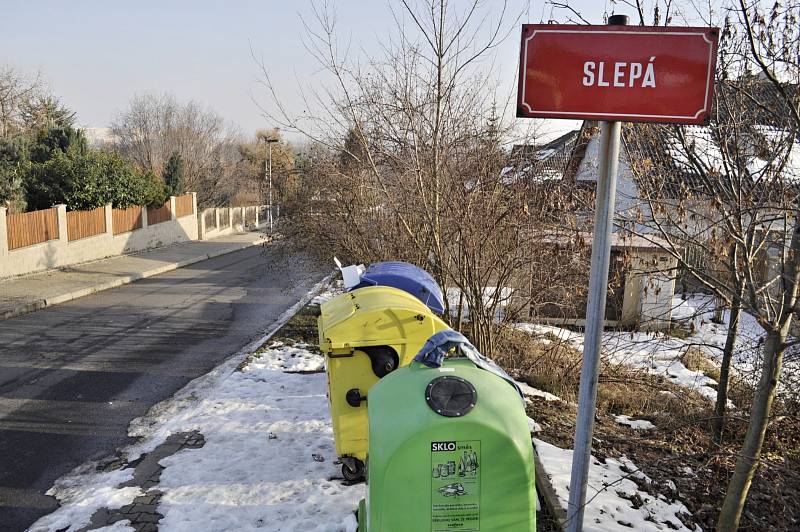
column 354, row 397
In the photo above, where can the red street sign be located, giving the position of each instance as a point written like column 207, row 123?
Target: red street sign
column 626, row 73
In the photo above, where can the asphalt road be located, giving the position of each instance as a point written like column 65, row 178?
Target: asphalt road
column 72, row 377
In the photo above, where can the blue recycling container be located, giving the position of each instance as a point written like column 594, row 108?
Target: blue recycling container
column 406, row 277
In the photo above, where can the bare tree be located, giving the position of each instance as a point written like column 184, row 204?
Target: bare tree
column 727, row 193
column 773, row 39
column 409, row 163
column 154, row 127
column 15, row 90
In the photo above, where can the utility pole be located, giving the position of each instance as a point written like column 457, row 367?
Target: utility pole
column 605, row 193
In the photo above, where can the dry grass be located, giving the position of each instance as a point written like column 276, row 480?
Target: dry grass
column 552, row 365
column 682, row 438
column 695, row 360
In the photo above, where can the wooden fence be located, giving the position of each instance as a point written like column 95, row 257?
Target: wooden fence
column 224, row 218
column 29, row 228
column 83, row 224
column 156, row 215
column 184, row 205
column 125, row 220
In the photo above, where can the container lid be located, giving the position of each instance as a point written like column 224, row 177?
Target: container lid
column 407, row 277
column 451, row 396
column 375, row 315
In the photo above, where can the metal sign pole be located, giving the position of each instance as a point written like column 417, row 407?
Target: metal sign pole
column 595, row 314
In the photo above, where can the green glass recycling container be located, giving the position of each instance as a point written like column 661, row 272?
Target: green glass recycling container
column 449, row 449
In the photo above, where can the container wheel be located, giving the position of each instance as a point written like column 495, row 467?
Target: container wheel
column 353, row 470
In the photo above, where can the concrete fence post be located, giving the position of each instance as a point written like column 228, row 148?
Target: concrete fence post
column 194, row 202
column 109, row 212
column 144, row 216
column 216, row 217
column 172, row 207
column 61, row 213
column 201, row 225
column 3, row 232
column 256, row 209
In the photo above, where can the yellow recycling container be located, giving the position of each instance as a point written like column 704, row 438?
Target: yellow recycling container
column 364, row 335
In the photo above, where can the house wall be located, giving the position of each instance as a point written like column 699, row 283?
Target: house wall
column 649, row 287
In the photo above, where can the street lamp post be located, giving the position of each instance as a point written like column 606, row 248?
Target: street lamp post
column 269, row 138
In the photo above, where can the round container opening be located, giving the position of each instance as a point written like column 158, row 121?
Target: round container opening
column 451, row 396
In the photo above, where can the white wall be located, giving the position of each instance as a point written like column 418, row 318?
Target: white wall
column 649, row 287
column 60, row 252
column 206, row 231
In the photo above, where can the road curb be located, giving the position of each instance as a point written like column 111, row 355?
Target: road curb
column 547, row 494
column 39, row 304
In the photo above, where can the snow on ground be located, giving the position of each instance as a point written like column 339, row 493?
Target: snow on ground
column 333, row 289
column 653, row 352
column 81, row 495
column 292, row 358
column 530, row 391
column 119, row 526
column 611, row 494
column 660, row 354
column 698, row 310
column 256, row 470
column 636, row 424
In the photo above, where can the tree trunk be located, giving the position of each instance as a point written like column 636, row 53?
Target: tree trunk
column 747, row 462
column 725, row 366
column 460, row 315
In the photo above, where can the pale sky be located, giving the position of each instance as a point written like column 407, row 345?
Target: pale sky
column 96, row 55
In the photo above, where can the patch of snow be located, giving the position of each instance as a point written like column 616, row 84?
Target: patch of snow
column 333, row 289
column 241, row 479
column 119, row 526
column 710, row 338
column 547, row 175
column 534, row 426
column 636, row 424
column 81, row 495
column 535, row 392
column 654, row 352
column 609, row 493
column 544, row 333
column 544, row 153
column 292, row 358
column 661, row 354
